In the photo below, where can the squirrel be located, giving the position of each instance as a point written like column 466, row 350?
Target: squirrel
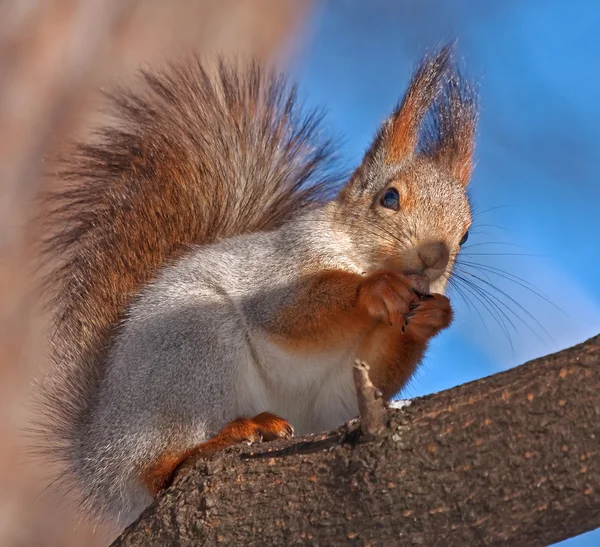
column 214, row 281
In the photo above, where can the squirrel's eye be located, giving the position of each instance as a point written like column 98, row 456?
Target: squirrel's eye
column 391, row 199
column 464, row 238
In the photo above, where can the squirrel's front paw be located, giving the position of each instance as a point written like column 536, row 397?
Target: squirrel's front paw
column 428, row 316
column 386, row 295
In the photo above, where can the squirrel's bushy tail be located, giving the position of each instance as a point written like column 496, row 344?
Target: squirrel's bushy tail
column 197, row 154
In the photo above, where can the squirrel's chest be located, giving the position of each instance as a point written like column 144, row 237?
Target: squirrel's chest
column 315, row 392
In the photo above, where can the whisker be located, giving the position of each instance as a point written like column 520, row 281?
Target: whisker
column 500, row 272
column 512, row 278
column 455, row 286
column 521, row 307
column 479, row 213
column 385, row 230
column 505, row 254
column 491, row 305
column 475, row 231
column 502, row 228
column 373, row 229
column 470, row 246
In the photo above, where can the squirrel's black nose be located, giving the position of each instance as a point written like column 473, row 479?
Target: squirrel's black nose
column 434, row 254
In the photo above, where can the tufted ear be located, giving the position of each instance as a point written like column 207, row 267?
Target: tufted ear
column 399, row 135
column 448, row 136
column 436, row 118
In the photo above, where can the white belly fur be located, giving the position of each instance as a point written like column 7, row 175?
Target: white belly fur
column 314, row 393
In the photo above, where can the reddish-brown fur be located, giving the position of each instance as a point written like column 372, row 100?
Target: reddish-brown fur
column 394, row 352
column 402, row 133
column 335, row 308
column 143, row 190
column 262, row 427
column 323, row 315
column 391, row 321
column 146, row 191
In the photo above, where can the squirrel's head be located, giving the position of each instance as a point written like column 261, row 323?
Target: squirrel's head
column 406, row 206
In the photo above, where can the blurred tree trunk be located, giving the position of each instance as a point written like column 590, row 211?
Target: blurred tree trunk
column 512, row 459
column 54, row 56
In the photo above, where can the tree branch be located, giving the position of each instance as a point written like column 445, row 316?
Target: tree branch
column 370, row 403
column 512, row 459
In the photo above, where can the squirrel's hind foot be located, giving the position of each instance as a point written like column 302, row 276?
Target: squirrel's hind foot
column 262, row 427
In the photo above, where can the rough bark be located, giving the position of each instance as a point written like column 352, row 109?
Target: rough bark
column 512, row 459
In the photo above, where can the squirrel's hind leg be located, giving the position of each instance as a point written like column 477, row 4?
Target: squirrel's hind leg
column 262, row 427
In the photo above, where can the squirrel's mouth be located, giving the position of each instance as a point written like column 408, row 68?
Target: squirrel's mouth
column 427, row 278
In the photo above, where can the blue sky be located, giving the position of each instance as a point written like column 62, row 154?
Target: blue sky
column 536, row 188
